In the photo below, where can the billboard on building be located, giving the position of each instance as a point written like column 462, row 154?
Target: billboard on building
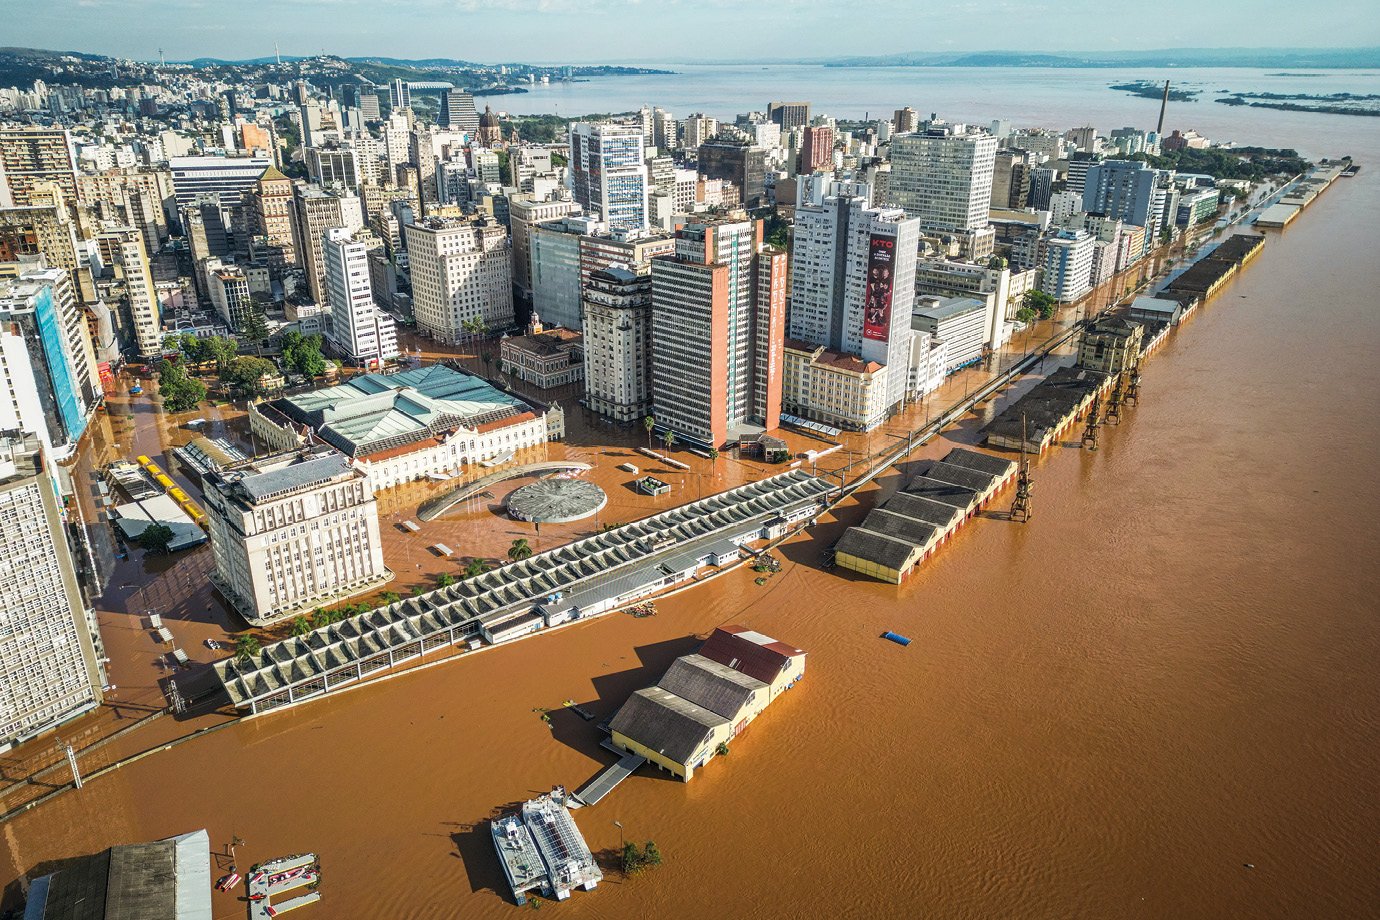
column 881, row 269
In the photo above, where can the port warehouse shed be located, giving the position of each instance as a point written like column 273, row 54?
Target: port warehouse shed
column 1047, row 410
column 578, row 580
column 706, row 699
column 1206, row 276
column 910, row 526
column 168, row 879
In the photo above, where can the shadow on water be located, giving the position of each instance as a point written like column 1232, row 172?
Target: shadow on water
column 474, row 846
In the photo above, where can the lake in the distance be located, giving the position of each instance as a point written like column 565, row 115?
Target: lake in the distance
column 1026, row 96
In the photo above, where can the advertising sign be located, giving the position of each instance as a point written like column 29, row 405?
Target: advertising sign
column 880, row 270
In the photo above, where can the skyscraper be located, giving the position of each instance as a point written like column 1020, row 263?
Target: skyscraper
column 718, row 327
column 30, row 155
column 853, row 284
column 943, row 176
column 122, row 248
column 1121, row 189
column 816, row 149
column 740, row 163
column 46, row 360
column 608, row 176
column 458, row 111
column 789, row 114
column 617, row 306
column 50, row 651
column 1011, row 178
column 271, row 210
column 461, row 272
column 358, row 330
column 315, row 211
column 399, row 95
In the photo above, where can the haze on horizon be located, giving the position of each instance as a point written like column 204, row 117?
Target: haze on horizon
column 652, row 31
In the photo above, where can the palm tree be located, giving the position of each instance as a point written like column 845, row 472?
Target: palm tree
column 713, row 453
column 649, row 423
column 445, row 580
column 668, row 439
column 520, row 550
column 321, row 617
column 300, row 626
column 390, row 597
column 246, row 647
column 475, row 567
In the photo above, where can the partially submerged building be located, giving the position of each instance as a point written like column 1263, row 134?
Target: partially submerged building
column 404, row 426
column 167, row 879
column 706, row 699
column 1045, row 412
column 579, row 580
column 908, row 528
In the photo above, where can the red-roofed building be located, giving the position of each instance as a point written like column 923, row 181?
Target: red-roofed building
column 774, row 663
column 838, row 389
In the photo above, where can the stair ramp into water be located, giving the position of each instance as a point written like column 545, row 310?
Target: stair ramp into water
column 603, row 784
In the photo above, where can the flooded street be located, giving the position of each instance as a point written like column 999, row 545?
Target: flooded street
column 1158, row 699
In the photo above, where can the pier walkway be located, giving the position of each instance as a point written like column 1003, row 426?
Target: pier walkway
column 604, row 783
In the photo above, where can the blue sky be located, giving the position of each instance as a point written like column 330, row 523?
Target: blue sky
column 669, row 30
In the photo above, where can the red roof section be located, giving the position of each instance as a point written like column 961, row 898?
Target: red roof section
column 763, row 661
column 505, row 422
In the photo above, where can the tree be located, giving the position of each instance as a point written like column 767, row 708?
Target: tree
column 520, row 549
column 246, row 647
column 648, row 424
column 1042, row 303
column 668, row 438
column 300, row 626
column 632, row 858
column 255, row 329
column 1026, row 315
column 179, row 391
column 303, row 354
column 475, row 567
column 714, row 454
column 156, row 539
column 651, row 855
column 445, row 580
column 247, row 374
column 321, row 617
column 390, row 597
column 220, row 349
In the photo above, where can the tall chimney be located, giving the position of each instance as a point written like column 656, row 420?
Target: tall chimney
column 1164, row 104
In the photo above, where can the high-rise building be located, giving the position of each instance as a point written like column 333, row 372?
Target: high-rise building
column 122, row 249
column 228, row 286
column 30, row 155
column 789, row 114
column 48, row 230
column 618, row 343
column 1011, row 178
column 358, row 329
column 524, row 213
column 461, row 272
column 905, row 121
column 399, row 95
column 229, row 178
column 458, row 111
column 1067, row 271
column 292, row 532
column 665, row 131
column 696, row 129
column 718, row 327
column 943, row 176
column 271, row 208
column 335, row 165
column 369, row 107
column 1121, row 189
column 52, row 385
column 130, row 196
column 853, row 284
column 608, row 177
column 740, row 163
column 315, row 211
column 50, row 649
column 816, row 149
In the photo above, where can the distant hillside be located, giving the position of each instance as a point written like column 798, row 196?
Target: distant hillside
column 1169, row 57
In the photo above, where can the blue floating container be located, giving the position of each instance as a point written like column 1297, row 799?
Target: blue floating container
column 896, row 637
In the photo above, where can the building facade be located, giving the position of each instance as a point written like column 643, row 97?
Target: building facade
column 50, row 650
column 316, row 211
column 292, row 532
column 608, row 176
column 943, row 177
column 358, row 330
column 617, row 306
column 461, row 274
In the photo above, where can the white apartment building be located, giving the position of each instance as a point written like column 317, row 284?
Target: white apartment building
column 229, row 289
column 461, row 271
column 959, row 322
column 50, row 650
column 618, row 343
column 292, row 532
column 943, row 177
column 1066, row 273
column 316, row 210
column 123, row 249
column 358, row 329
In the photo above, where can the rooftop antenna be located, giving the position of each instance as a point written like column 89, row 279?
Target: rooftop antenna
column 1164, row 104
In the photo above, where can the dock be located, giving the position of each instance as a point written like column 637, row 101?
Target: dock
column 278, row 877
column 604, row 783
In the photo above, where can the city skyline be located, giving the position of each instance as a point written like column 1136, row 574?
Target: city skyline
column 564, row 31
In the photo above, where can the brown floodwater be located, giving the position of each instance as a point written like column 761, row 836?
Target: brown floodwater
column 1158, row 699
